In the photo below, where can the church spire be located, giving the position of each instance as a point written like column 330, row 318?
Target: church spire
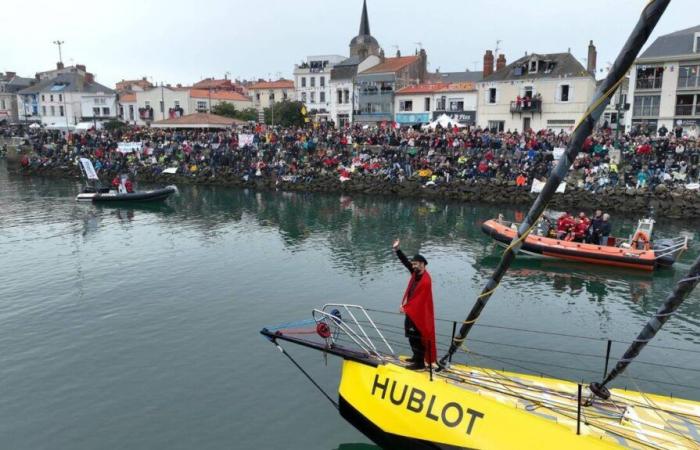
column 364, row 22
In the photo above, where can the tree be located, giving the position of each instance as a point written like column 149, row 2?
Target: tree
column 247, row 114
column 225, row 109
column 113, row 125
column 287, row 114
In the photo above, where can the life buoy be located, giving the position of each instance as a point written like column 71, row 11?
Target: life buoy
column 642, row 237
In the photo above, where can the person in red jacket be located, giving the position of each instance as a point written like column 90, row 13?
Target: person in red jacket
column 128, row 186
column 564, row 225
column 581, row 227
column 417, row 304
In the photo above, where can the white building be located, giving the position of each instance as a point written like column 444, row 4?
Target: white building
column 59, row 100
column 426, row 102
column 157, row 103
column 665, row 83
column 312, row 83
column 10, row 84
column 537, row 91
column 264, row 93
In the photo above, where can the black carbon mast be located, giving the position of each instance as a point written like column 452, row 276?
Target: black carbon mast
column 650, row 16
column 683, row 288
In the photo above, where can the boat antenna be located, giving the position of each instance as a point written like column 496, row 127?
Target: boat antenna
column 650, row 16
column 683, row 288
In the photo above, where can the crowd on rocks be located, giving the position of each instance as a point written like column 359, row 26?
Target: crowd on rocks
column 636, row 160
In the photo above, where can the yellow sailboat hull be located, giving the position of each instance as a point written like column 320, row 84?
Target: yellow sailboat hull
column 475, row 408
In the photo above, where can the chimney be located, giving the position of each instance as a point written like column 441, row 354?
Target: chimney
column 592, row 56
column 81, row 67
column 59, row 65
column 10, row 75
column 488, row 63
column 179, row 85
column 143, row 78
column 89, row 78
column 381, row 55
column 398, row 53
column 500, row 62
column 423, row 64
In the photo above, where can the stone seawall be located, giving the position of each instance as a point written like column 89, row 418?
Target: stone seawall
column 675, row 204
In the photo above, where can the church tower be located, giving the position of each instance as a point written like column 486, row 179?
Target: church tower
column 364, row 45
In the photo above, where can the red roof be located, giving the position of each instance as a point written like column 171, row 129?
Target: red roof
column 429, row 88
column 127, row 98
column 219, row 95
column 279, row 84
column 393, row 64
column 210, row 83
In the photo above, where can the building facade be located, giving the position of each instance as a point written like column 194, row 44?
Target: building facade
column 424, row 103
column 265, row 93
column 312, row 84
column 156, row 103
column 377, row 85
column 537, row 91
column 344, row 89
column 10, row 84
column 664, row 85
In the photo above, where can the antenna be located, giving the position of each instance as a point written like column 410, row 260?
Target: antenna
column 498, row 43
column 59, row 44
column 419, row 44
column 475, row 64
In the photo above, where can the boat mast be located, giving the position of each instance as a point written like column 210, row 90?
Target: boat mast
column 650, row 16
column 683, row 288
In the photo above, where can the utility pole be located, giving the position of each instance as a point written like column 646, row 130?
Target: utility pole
column 60, row 56
column 162, row 101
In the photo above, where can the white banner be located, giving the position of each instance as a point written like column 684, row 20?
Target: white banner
column 88, row 169
column 129, row 147
column 244, row 139
column 537, row 186
column 170, row 170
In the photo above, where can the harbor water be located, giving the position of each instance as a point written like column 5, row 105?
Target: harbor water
column 138, row 326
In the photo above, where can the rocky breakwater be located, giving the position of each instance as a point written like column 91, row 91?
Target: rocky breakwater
column 666, row 202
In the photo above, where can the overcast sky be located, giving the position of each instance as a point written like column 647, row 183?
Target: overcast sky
column 183, row 41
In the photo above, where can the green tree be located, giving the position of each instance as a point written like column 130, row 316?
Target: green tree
column 287, row 114
column 225, row 109
column 113, row 125
column 247, row 114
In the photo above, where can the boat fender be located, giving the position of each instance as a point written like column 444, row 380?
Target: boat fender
column 642, row 237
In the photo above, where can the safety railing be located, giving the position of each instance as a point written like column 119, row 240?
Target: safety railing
column 677, row 244
column 343, row 318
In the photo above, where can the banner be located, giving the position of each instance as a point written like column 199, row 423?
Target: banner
column 129, row 147
column 557, row 152
column 244, row 140
column 537, row 186
column 88, row 169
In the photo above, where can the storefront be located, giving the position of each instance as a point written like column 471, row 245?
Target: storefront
column 412, row 118
column 462, row 117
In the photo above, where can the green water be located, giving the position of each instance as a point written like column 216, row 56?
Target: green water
column 138, row 327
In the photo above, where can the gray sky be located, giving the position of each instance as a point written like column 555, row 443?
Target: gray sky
column 182, row 41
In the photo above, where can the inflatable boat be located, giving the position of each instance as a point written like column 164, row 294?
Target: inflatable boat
column 634, row 253
column 115, row 196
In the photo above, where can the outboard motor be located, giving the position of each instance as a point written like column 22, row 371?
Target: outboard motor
column 663, row 247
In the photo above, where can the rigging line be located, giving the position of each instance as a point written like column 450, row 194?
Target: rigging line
column 655, row 408
column 284, row 352
column 552, row 333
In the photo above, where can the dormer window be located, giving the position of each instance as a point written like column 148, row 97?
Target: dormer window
column 533, row 66
column 696, row 42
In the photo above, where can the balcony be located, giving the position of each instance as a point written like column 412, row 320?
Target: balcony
column 684, row 110
column 649, row 83
column 526, row 106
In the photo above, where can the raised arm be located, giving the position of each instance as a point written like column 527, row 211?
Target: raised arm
column 404, row 260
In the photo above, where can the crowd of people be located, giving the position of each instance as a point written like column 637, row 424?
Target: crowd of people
column 583, row 229
column 634, row 160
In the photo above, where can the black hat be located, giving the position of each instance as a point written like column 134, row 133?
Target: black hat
column 419, row 258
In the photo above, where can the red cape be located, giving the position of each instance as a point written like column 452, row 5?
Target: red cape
column 420, row 311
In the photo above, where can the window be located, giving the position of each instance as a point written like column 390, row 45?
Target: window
column 322, row 97
column 312, row 96
column 131, row 112
column 43, row 110
column 406, row 105
column 176, row 103
column 346, row 95
column 162, row 106
column 60, row 111
column 564, row 91
column 3, row 104
column 339, row 94
column 696, row 47
column 492, row 95
column 43, row 99
column 303, row 97
column 51, row 97
column 528, row 91
column 646, row 105
column 649, row 77
column 147, row 104
column 442, row 103
column 53, row 110
column 312, row 81
column 533, row 66
column 257, row 96
column 105, row 111
column 456, row 104
column 497, row 125
column 688, row 76
column 322, row 81
column 427, row 104
column 95, row 111
column 271, row 96
column 201, row 105
column 284, row 94
column 303, row 81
